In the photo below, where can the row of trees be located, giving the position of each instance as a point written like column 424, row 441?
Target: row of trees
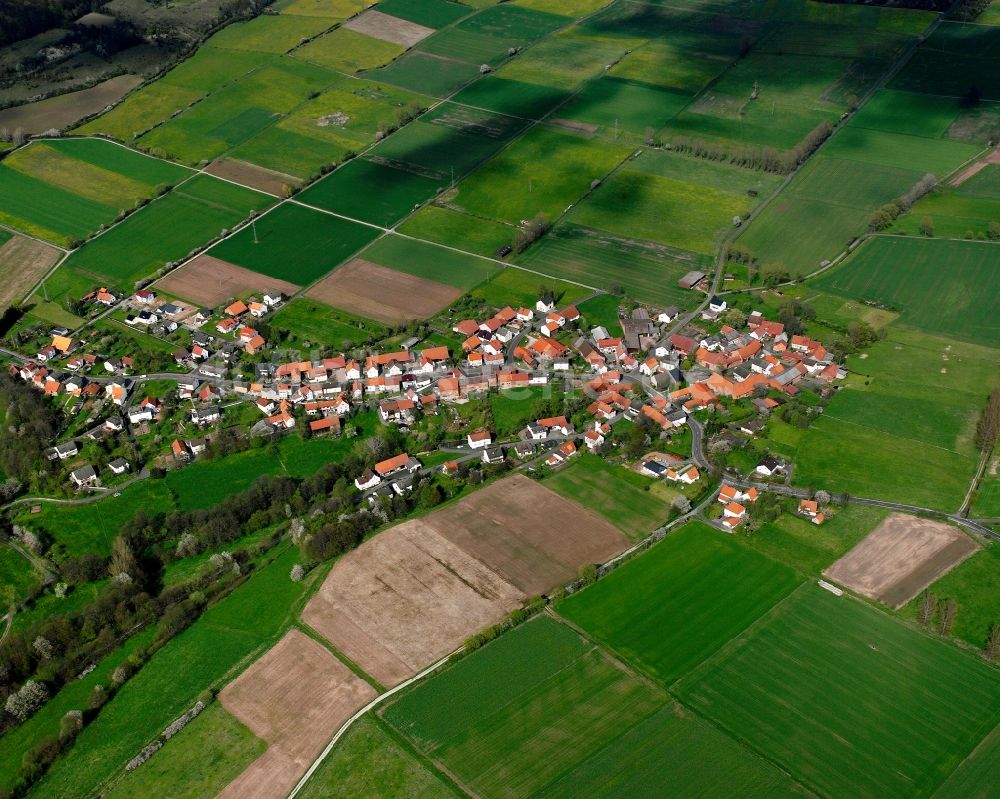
column 885, row 215
column 988, row 426
column 764, row 159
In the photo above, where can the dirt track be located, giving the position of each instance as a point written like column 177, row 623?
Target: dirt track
column 388, row 28
column 369, row 290
column 295, row 697
column 208, row 281
column 976, row 168
column 23, row 262
column 900, row 558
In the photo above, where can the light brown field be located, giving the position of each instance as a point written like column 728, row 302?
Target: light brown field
column 369, row 290
column 23, row 262
column 405, row 599
column 62, row 111
column 531, row 536
column 255, row 177
column 208, row 281
column 412, row 594
column 388, row 28
column 295, row 697
column 900, row 558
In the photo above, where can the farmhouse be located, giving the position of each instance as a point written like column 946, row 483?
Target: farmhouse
column 479, row 438
column 84, row 476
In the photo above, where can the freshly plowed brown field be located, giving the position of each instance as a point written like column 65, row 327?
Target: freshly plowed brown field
column 250, row 175
column 23, row 262
column 295, row 697
column 209, row 281
column 388, row 28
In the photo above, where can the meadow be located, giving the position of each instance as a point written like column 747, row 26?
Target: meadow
column 271, row 34
column 642, row 270
column 348, row 51
column 294, row 243
column 514, row 97
column 427, row 74
column 512, row 736
column 431, row 13
column 166, row 230
column 451, row 267
column 903, row 151
column 668, row 66
column 621, row 496
column 374, row 761
column 48, row 212
column 312, row 324
column 543, row 171
column 518, row 288
column 954, row 58
column 668, row 609
column 977, row 774
column 370, row 191
column 456, row 229
column 940, row 293
column 225, row 636
column 563, row 60
column 618, row 107
column 952, row 214
column 898, row 713
column 17, row 572
column 987, row 500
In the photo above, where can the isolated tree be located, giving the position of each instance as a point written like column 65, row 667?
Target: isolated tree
column 947, row 610
column 927, row 226
column 187, row 545
column 588, row 574
column 297, row 573
column 43, row 646
column 927, row 608
column 822, row 497
column 734, row 317
column 682, row 504
column 124, row 565
column 26, row 700
column 992, row 648
column 993, row 231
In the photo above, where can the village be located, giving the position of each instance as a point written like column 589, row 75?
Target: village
column 671, row 380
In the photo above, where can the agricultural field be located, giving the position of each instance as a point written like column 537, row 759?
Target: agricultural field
column 956, row 57
column 17, row 572
column 311, row 323
column 202, row 656
column 621, row 496
column 862, row 728
column 512, row 97
column 207, row 281
column 941, row 291
column 447, row 226
column 348, row 51
column 166, row 230
column 566, row 59
column 23, row 262
column 518, row 288
column 668, row 609
column 294, row 243
column 906, row 431
column 429, row 261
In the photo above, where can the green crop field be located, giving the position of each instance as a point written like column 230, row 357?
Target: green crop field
column 456, row 229
column 559, row 701
column 92, row 527
column 543, row 171
column 972, row 585
column 621, row 106
column 956, row 57
column 976, row 777
column 670, row 67
column 894, row 716
column 294, row 243
column 371, row 192
column 226, row 635
column 430, row 261
column 167, row 230
column 46, row 211
column 431, row 13
column 310, row 323
column 618, row 494
column 564, row 60
column 987, row 501
column 513, row 23
column 934, row 284
column 373, row 761
column 348, row 51
column 465, row 45
column 271, row 34
column 517, row 288
column 643, row 270
column 200, row 761
column 938, row 156
column 427, row 74
column 515, row 97
column 670, row 608
column 142, row 110
column 985, row 184
column 908, row 112
column 952, row 214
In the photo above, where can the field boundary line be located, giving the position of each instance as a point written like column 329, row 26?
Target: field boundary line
column 19, row 232
column 357, row 715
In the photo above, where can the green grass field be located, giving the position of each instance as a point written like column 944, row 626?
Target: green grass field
column 971, row 585
column 294, row 243
column 986, row 503
column 621, row 496
column 515, row 97
column 470, row 233
column 908, row 112
column 271, row 34
column 643, row 270
column 348, row 51
column 976, row 777
column 670, row 608
column 953, row 214
column 311, row 323
column 375, row 762
column 225, row 636
column 200, row 761
column 619, row 107
column 601, row 310
column 934, row 284
column 143, row 109
column 954, row 58
column 543, row 171
column 371, row 192
column 92, row 527
column 430, row 261
column 166, row 230
column 17, row 572
column 517, row 288
column 431, row 13
column 571, row 56
column 428, row 74
column 881, row 710
column 513, row 717
column 899, row 150
column 669, row 66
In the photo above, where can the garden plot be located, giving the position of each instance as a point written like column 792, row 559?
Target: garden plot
column 388, row 28
column 900, row 558
column 294, row 697
column 369, row 290
column 208, row 281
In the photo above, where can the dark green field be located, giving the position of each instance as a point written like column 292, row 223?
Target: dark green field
column 528, row 100
column 419, row 258
column 880, row 709
column 427, row 74
column 372, row 192
column 670, row 608
column 934, row 284
column 295, row 243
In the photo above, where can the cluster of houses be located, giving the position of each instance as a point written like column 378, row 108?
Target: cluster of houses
column 734, row 504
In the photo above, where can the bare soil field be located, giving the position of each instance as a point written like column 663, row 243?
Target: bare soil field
column 368, row 290
column 255, row 177
column 23, row 262
column 62, row 111
column 294, row 697
column 406, row 598
column 531, row 536
column 388, row 28
column 900, row 558
column 208, row 281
